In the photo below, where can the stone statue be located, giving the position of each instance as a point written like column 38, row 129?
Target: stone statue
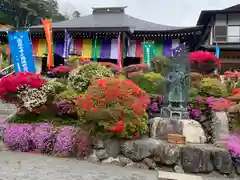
column 176, row 82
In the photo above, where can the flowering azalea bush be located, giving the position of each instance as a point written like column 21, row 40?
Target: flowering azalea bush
column 204, row 62
column 115, row 69
column 66, row 108
column 61, row 71
column 232, row 80
column 36, row 97
column 132, row 69
column 80, row 78
column 11, row 85
column 114, row 106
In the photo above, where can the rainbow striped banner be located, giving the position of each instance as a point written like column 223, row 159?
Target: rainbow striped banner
column 162, row 48
column 105, row 49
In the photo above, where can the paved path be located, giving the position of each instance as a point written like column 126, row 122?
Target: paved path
column 21, row 166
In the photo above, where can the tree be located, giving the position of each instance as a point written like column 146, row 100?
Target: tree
column 32, row 11
column 76, row 14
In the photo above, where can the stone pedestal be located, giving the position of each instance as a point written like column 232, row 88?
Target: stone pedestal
column 191, row 129
column 174, row 113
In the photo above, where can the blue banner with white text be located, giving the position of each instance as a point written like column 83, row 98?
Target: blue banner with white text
column 21, row 51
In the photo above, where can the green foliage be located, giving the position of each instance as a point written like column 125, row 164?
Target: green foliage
column 31, row 117
column 151, row 82
column 31, row 12
column 73, row 59
column 68, row 94
column 213, row 87
column 80, row 78
column 58, row 86
column 159, row 64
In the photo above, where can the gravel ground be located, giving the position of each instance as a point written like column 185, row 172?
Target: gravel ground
column 22, row 166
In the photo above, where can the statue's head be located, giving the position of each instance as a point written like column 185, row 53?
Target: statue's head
column 177, row 67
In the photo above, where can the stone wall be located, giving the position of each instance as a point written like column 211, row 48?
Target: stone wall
column 148, row 153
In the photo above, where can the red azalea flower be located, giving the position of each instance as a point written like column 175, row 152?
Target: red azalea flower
column 119, row 128
column 62, row 69
column 235, row 91
column 221, row 105
column 137, row 134
column 202, row 57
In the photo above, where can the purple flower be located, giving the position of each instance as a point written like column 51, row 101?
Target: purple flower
column 209, row 100
column 65, row 140
column 43, row 137
column 18, row 136
column 233, row 144
column 154, row 107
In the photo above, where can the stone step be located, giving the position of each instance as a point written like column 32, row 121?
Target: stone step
column 162, row 175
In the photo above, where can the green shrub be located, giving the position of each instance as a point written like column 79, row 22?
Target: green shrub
column 58, row 86
column 80, row 78
column 159, row 64
column 213, row 87
column 151, row 82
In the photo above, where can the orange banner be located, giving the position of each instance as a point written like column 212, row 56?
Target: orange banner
column 48, row 32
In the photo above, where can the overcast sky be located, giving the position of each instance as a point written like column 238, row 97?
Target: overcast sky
column 169, row 12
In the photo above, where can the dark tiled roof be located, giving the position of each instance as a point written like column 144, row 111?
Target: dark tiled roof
column 111, row 18
column 207, row 14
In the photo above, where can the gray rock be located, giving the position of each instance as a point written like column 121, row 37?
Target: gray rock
column 222, row 161
column 93, row 158
column 137, row 165
column 196, row 158
column 150, row 163
column 111, row 160
column 178, row 169
column 137, row 150
column 157, row 159
column 124, row 160
column 237, row 168
column 166, row 153
column 220, row 128
column 102, row 154
column 98, row 143
column 112, row 147
column 160, row 128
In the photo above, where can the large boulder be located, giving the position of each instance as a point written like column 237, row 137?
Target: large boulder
column 193, row 131
column 166, row 153
column 137, row 150
column 204, row 158
column 161, row 127
column 196, row 159
column 222, row 161
column 112, row 147
column 220, row 128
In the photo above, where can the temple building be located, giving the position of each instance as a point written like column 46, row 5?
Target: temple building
column 99, row 34
column 105, row 31
column 222, row 28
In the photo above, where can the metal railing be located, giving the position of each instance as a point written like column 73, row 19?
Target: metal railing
column 7, row 71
